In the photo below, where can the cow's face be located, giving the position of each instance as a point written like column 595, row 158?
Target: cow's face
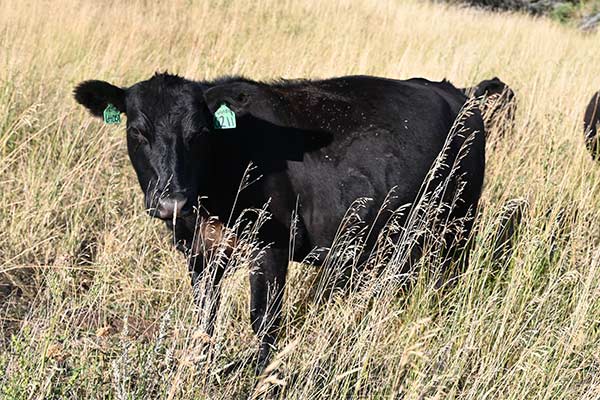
column 167, row 137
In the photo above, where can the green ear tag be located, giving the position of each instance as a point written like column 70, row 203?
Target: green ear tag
column 224, row 118
column 112, row 115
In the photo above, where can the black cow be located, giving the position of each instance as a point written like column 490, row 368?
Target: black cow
column 498, row 107
column 321, row 143
column 591, row 122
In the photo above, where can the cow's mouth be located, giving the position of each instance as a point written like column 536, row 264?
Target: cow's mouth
column 191, row 217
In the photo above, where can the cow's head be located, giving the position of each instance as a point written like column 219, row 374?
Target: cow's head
column 171, row 133
column 167, row 136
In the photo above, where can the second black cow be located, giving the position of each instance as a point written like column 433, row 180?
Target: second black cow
column 318, row 145
column 591, row 123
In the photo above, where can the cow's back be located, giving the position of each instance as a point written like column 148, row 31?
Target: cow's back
column 398, row 130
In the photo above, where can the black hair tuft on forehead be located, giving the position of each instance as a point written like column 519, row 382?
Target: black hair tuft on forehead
column 167, row 79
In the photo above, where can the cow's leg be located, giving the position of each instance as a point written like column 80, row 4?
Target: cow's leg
column 267, row 283
column 206, row 291
column 206, row 286
column 210, row 249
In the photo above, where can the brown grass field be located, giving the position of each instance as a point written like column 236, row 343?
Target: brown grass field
column 95, row 304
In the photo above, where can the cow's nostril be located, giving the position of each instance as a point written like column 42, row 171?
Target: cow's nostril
column 169, row 207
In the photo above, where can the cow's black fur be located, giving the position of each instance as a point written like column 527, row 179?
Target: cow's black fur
column 591, row 123
column 323, row 143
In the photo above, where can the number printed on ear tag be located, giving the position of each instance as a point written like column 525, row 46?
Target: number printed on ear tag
column 224, row 118
column 112, row 115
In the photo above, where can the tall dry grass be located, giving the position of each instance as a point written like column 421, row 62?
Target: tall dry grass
column 100, row 304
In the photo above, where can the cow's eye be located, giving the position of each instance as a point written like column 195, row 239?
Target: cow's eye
column 139, row 136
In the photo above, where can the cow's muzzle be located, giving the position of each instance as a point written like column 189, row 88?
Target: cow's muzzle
column 173, row 206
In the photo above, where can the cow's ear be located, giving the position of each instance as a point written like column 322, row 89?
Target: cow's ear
column 272, row 109
column 246, row 98
column 97, row 95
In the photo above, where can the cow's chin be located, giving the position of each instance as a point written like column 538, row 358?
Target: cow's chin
column 190, row 220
